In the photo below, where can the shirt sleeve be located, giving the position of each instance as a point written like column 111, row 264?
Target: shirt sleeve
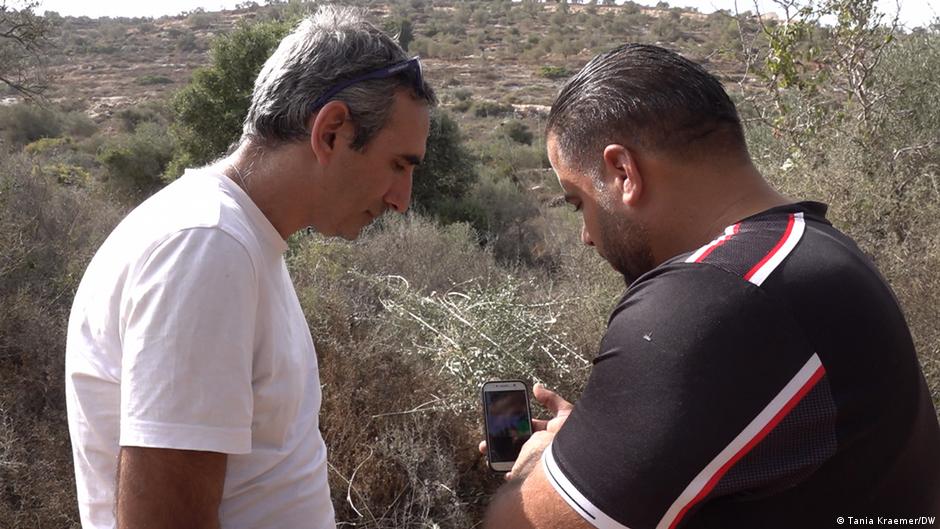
column 704, row 387
column 189, row 315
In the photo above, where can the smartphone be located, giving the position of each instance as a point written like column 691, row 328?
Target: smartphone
column 508, row 421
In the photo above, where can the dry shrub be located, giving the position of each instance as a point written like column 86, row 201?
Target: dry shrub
column 395, row 459
column 409, row 321
column 23, row 123
column 398, row 458
column 432, row 257
column 48, row 233
column 579, row 271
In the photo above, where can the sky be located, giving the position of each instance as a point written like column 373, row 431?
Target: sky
column 913, row 12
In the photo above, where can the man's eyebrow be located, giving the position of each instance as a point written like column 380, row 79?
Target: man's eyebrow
column 411, row 158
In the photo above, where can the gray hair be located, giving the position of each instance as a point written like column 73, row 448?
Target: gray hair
column 333, row 45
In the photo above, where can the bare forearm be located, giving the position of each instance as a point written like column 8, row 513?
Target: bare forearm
column 503, row 506
column 531, row 503
column 159, row 488
column 504, row 509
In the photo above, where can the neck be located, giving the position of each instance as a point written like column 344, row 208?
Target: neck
column 710, row 203
column 269, row 177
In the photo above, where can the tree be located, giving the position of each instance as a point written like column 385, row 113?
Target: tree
column 406, row 34
column 817, row 77
column 403, row 29
column 23, row 35
column 860, row 40
column 518, row 132
column 135, row 162
column 447, row 172
column 210, row 110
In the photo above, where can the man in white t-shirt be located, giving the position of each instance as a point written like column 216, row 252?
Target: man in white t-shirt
column 192, row 385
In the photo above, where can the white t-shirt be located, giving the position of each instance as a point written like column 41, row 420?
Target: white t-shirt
column 186, row 333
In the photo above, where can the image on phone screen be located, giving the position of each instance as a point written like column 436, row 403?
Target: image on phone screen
column 508, row 423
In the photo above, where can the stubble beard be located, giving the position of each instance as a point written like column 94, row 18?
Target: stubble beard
column 626, row 244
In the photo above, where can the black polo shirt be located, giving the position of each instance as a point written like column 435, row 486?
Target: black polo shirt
column 767, row 379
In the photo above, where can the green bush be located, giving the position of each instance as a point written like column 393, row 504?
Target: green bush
column 631, row 8
column 136, row 162
column 462, row 106
column 78, row 125
column 72, row 162
column 518, row 132
column 26, row 123
column 462, row 94
column 131, row 118
column 68, row 174
column 420, row 46
column 47, row 145
column 151, row 79
column 210, row 110
column 499, row 210
column 447, row 172
column 187, row 42
column 554, row 72
column 509, row 159
column 484, row 109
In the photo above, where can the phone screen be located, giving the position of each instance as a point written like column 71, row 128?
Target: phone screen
column 508, row 424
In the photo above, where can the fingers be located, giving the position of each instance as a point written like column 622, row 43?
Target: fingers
column 483, row 447
column 555, row 424
column 539, row 424
column 530, row 454
column 551, row 400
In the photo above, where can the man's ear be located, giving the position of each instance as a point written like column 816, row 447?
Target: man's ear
column 329, row 125
column 621, row 164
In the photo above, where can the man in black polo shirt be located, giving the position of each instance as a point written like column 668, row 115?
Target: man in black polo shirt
column 758, row 372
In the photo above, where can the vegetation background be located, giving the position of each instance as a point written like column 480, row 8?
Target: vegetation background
column 486, row 278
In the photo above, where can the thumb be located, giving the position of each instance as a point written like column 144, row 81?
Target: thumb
column 552, row 401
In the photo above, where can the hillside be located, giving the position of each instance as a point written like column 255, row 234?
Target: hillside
column 493, row 49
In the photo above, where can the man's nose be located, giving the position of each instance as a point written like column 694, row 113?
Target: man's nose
column 399, row 195
column 585, row 236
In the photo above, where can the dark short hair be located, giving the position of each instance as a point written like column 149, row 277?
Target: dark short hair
column 643, row 97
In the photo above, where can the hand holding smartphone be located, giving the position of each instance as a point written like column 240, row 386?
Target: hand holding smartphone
column 508, row 421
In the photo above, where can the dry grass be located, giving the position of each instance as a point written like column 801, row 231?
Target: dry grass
column 48, row 233
column 409, row 321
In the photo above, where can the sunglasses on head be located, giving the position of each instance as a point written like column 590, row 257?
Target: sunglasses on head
column 412, row 67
